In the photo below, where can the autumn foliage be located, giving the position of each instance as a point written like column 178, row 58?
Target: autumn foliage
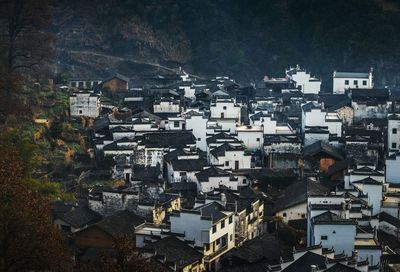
column 28, row 238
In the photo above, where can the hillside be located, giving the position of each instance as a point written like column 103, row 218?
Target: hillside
column 243, row 39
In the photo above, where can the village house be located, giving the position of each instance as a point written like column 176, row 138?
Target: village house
column 230, row 156
column 343, row 81
column 197, row 123
column 116, row 83
column 81, row 84
column 84, row 104
column 282, row 151
column 370, row 103
column 226, row 112
column 393, row 133
column 392, row 170
column 209, row 228
column 251, row 136
column 303, row 80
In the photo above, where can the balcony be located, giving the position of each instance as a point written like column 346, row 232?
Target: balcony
column 220, row 251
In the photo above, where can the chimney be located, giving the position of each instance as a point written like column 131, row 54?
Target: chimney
column 313, row 268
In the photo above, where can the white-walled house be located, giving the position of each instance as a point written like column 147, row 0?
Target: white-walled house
column 213, row 177
column 251, row 136
column 197, row 123
column 225, row 109
column 313, row 115
column 84, row 104
column 393, row 132
column 269, row 124
column 393, row 168
column 347, row 80
column 210, row 228
column 374, row 190
column 230, row 156
column 166, row 105
column 303, row 80
column 175, row 123
column 329, row 223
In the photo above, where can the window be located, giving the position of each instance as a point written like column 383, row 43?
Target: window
column 364, row 83
column 346, row 82
column 214, row 229
column 244, row 181
column 224, row 107
column 258, row 139
column 355, row 82
column 176, row 124
column 207, row 247
column 73, row 84
column 393, row 145
column 80, row 84
column 324, row 237
column 217, row 242
column 198, row 139
column 80, row 112
column 227, row 163
column 394, row 131
column 284, row 214
column 230, row 219
column 303, row 215
column 223, row 224
column 231, row 237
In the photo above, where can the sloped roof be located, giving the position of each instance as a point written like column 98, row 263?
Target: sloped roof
column 120, row 223
column 211, row 210
column 339, row 267
column 321, row 147
column 226, row 147
column 81, row 217
column 331, row 218
column 188, row 164
column 303, row 263
column 176, row 251
column 350, row 75
column 298, row 193
column 367, row 181
column 262, row 248
column 212, row 171
column 166, row 139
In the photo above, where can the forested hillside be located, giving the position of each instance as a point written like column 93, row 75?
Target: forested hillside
column 244, row 39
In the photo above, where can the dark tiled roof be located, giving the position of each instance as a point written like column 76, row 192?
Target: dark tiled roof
column 339, row 166
column 80, row 217
column 297, row 193
column 220, row 150
column 168, row 139
column 389, row 219
column 176, row 251
column 351, row 75
column 120, row 224
column 368, row 181
column 303, row 263
column 264, row 248
column 329, row 217
column 338, row 267
column 211, row 210
column 212, row 171
column 188, row 164
column 321, row 147
column 221, row 136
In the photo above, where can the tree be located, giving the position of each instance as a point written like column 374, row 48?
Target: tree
column 123, row 258
column 28, row 238
column 25, row 41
